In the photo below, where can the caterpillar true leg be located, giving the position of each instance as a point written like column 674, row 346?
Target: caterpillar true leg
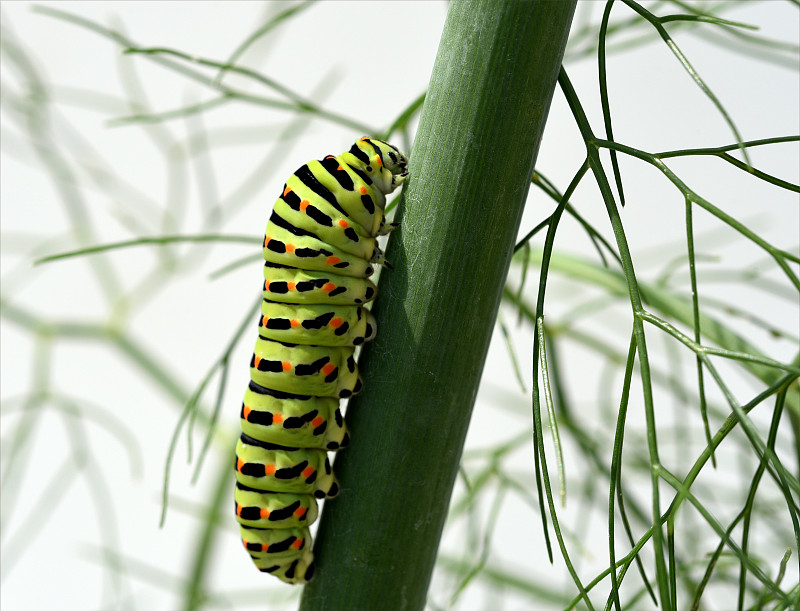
column 319, row 247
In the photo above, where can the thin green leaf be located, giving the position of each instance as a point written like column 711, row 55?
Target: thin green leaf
column 551, row 413
column 234, row 265
column 405, row 117
column 781, row 257
column 701, row 389
column 657, row 24
column 486, row 546
column 634, row 294
column 159, row 240
column 179, row 113
column 222, row 364
column 260, row 32
column 512, row 353
column 601, row 70
column 549, row 241
column 615, row 484
column 197, row 590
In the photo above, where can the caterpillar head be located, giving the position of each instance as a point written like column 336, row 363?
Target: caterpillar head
column 382, row 162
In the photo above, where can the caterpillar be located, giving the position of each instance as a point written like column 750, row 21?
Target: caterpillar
column 319, row 247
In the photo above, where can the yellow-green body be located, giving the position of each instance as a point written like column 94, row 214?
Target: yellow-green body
column 319, row 247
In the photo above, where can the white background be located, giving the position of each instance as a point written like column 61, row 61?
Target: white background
column 376, row 57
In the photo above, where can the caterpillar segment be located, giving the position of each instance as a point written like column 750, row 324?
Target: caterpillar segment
column 289, row 285
column 321, row 371
column 300, row 421
column 322, row 325
column 319, row 248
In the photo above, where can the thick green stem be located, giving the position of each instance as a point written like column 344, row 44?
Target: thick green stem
column 471, row 168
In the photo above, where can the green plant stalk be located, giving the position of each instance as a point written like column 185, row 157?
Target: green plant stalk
column 471, row 168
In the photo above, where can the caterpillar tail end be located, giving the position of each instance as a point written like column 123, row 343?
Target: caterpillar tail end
column 295, row 571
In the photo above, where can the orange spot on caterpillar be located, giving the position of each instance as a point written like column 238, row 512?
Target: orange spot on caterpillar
column 247, row 411
column 269, row 469
column 256, row 360
column 264, row 513
column 317, row 421
column 340, row 168
column 300, row 512
column 291, row 285
column 364, row 138
column 328, row 369
column 336, row 323
column 328, row 287
column 286, row 365
column 244, row 541
column 238, row 509
column 290, row 248
column 265, row 547
column 297, row 544
column 332, row 260
column 308, row 472
column 294, row 322
column 343, row 224
column 266, row 240
column 287, row 190
column 277, row 418
column 378, row 160
column 239, row 465
column 266, row 285
column 304, row 204
column 363, row 190
column 264, row 321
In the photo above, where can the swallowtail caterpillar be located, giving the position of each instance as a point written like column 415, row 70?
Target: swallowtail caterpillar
column 319, row 247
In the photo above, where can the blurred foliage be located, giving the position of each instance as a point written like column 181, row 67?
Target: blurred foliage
column 701, row 508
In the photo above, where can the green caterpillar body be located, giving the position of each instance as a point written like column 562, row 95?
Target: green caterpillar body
column 319, row 247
